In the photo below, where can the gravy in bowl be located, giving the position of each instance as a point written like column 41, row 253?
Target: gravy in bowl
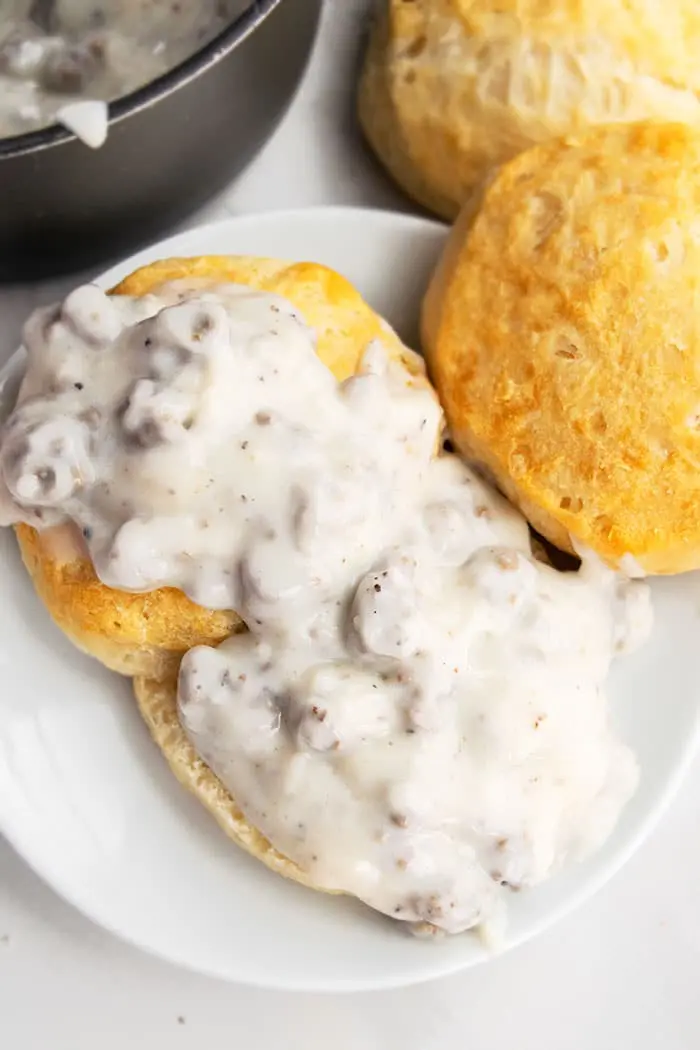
column 55, row 53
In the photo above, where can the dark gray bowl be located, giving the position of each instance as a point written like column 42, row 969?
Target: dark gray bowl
column 171, row 146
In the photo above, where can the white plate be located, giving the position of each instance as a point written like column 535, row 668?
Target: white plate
column 88, row 801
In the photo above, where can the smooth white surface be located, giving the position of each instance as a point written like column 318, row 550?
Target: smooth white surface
column 621, row 972
column 88, row 802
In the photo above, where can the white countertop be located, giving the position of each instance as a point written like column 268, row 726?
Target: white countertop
column 620, row 974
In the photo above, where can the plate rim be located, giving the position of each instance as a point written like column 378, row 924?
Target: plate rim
column 434, row 967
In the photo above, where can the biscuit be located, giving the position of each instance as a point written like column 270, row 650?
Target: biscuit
column 451, row 88
column 146, row 634
column 562, row 331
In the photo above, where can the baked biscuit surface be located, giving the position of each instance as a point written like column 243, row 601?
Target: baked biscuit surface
column 563, row 333
column 452, row 87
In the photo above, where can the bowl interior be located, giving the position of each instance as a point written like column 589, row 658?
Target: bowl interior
column 247, row 14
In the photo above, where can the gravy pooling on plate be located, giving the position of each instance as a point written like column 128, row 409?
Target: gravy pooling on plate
column 417, row 714
column 57, row 52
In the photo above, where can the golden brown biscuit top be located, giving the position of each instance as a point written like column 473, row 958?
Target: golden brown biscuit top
column 344, row 323
column 564, row 335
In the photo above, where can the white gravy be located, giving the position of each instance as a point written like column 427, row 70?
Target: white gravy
column 58, row 53
column 417, row 715
column 88, row 120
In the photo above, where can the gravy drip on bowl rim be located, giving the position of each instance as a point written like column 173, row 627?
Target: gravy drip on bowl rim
column 57, row 54
column 417, row 714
